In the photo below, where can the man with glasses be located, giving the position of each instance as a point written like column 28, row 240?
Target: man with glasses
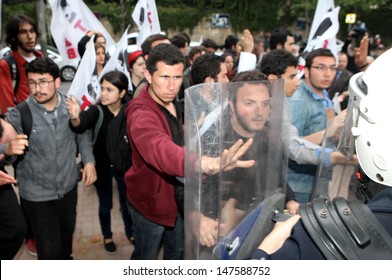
column 47, row 173
column 21, row 38
column 311, row 109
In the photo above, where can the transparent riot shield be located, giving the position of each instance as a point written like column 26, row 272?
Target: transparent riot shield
column 337, row 180
column 228, row 214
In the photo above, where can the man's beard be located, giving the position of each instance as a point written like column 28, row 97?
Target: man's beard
column 20, row 45
column 243, row 123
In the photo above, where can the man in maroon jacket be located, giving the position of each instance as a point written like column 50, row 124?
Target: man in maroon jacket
column 155, row 128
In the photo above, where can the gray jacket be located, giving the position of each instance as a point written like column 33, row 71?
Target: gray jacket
column 49, row 170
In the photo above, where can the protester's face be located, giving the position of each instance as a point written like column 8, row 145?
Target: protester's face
column 251, row 110
column 45, row 94
column 229, row 61
column 289, row 45
column 342, row 64
column 100, row 56
column 222, row 75
column 138, row 67
column 27, row 37
column 320, row 79
column 110, row 94
column 291, row 81
column 165, row 82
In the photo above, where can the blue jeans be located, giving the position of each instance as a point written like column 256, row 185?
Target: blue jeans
column 104, row 187
column 53, row 223
column 149, row 236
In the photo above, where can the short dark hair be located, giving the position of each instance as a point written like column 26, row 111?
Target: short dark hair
column 43, row 65
column 186, row 35
column 279, row 36
column 13, row 29
column 179, row 41
column 166, row 53
column 196, row 50
column 230, row 41
column 147, row 43
column 316, row 53
column 206, row 65
column 209, row 43
column 276, row 62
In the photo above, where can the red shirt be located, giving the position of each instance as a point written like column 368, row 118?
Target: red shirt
column 7, row 95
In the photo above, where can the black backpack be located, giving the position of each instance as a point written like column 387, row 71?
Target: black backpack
column 14, row 73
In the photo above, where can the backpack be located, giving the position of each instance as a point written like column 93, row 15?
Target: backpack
column 14, row 73
column 117, row 143
column 27, row 124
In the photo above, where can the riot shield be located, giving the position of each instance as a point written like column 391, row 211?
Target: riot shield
column 228, row 214
column 338, row 180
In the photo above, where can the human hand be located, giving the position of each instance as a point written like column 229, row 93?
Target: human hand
column 17, row 146
column 362, row 52
column 73, row 108
column 229, row 159
column 336, row 123
column 89, row 174
column 247, row 41
column 208, row 231
column 6, row 179
column 338, row 158
column 230, row 217
column 292, row 206
column 8, row 132
column 276, row 238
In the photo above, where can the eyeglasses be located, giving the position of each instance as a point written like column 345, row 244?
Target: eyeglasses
column 42, row 84
column 324, row 68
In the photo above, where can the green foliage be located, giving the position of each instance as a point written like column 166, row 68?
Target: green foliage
column 118, row 14
column 179, row 17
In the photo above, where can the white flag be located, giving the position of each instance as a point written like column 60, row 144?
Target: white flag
column 85, row 86
column 71, row 20
column 323, row 32
column 119, row 59
column 145, row 15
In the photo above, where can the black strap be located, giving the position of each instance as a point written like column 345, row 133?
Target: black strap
column 14, row 73
column 98, row 124
column 26, row 117
column 27, row 125
column 345, row 229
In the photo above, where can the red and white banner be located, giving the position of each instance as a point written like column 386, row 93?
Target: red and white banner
column 71, row 20
column 323, row 32
column 145, row 15
column 85, row 85
column 119, row 59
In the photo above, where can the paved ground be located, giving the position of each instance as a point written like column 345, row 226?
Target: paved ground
column 88, row 242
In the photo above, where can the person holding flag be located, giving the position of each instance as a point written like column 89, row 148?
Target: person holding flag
column 145, row 16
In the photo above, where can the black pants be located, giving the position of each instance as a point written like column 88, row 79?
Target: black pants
column 12, row 223
column 53, row 224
